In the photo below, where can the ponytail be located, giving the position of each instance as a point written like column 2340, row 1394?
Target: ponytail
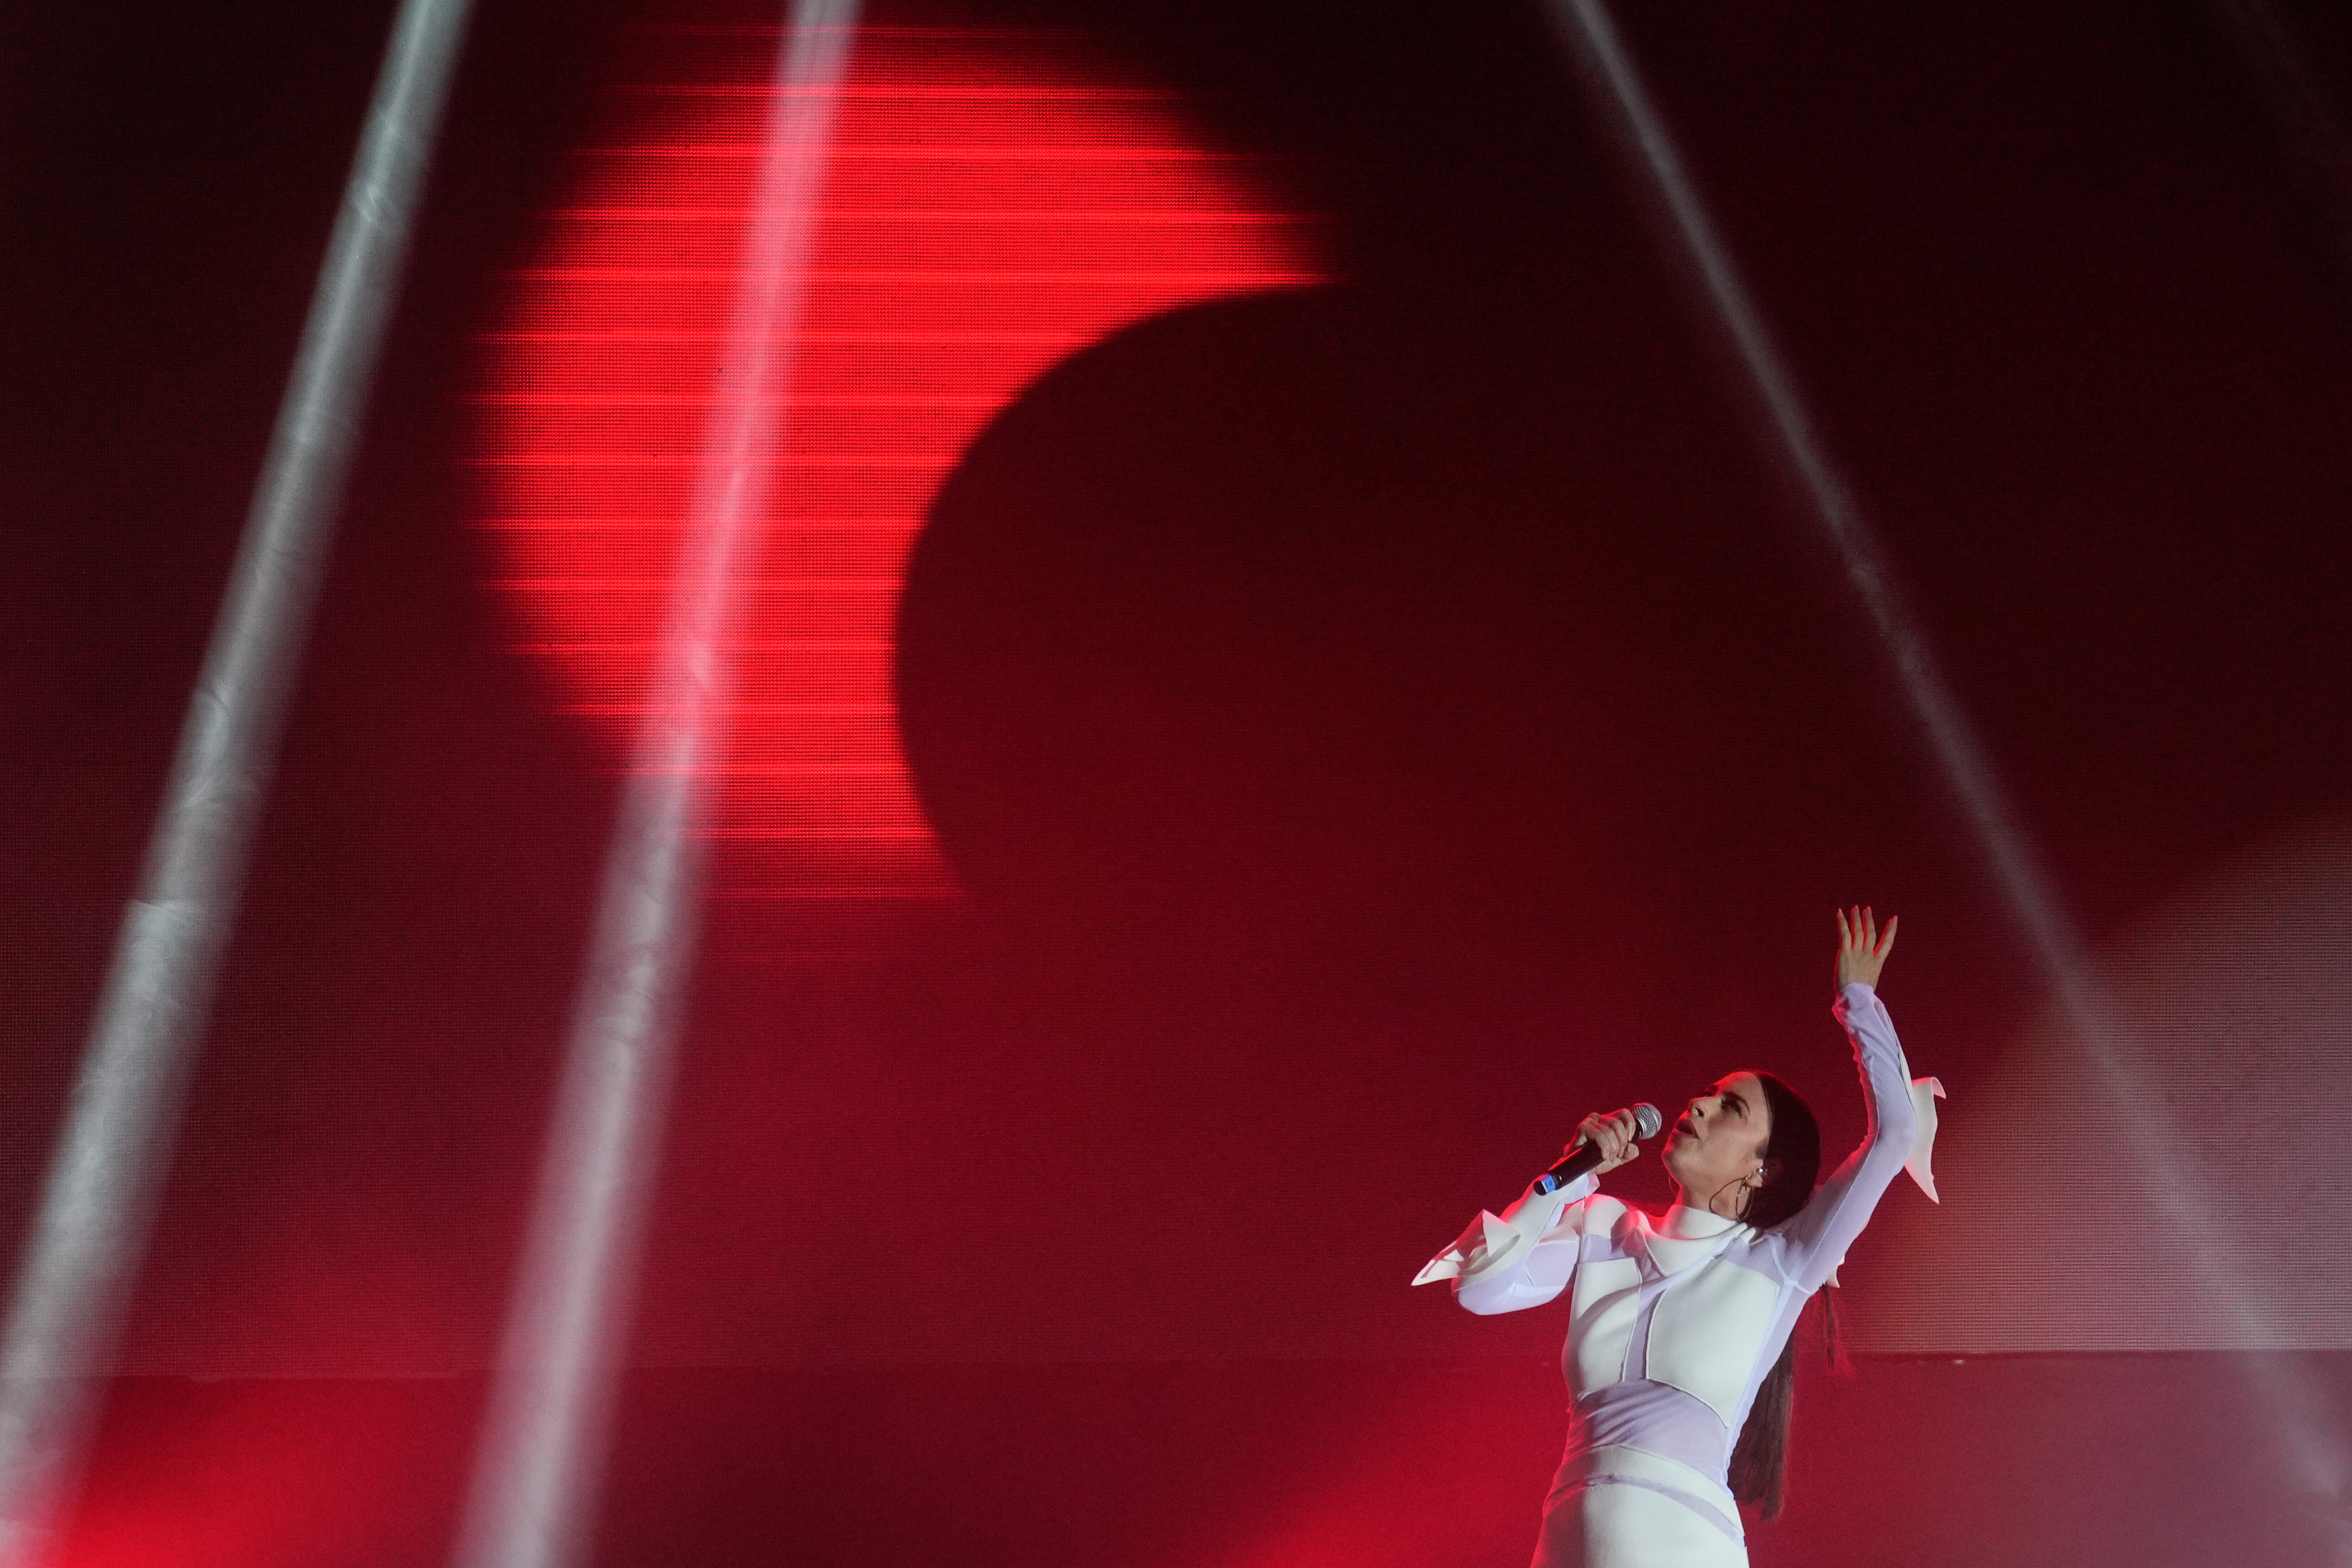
column 1793, row 1155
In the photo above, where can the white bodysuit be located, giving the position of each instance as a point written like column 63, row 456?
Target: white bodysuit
column 1674, row 1322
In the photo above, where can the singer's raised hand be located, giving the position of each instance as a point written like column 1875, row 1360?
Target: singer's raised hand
column 1862, row 950
column 1612, row 1134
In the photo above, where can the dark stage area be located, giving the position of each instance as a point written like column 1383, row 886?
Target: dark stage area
column 1281, row 651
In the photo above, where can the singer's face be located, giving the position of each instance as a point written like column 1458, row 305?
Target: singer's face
column 1716, row 1144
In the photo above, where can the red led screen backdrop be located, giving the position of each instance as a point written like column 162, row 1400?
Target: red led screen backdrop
column 994, row 203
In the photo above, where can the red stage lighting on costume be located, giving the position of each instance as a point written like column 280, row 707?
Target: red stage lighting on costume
column 994, row 204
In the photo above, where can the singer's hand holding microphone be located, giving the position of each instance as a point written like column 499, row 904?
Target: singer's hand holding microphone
column 1602, row 1143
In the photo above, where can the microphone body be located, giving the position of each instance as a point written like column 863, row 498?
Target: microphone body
column 1576, row 1162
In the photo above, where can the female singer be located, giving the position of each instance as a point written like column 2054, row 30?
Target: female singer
column 1679, row 1354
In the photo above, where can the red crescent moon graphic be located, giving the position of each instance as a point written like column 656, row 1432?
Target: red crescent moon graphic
column 993, row 204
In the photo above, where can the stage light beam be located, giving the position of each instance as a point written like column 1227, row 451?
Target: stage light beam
column 544, row 1437
column 91, row 1229
column 2311, row 1446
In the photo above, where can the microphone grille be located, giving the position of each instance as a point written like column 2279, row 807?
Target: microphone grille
column 1647, row 1120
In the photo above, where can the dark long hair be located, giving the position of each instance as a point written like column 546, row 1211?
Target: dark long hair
column 1792, row 1162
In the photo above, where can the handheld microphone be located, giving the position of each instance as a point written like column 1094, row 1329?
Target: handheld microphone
column 1576, row 1162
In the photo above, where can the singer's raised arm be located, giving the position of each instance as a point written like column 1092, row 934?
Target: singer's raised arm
column 1812, row 1244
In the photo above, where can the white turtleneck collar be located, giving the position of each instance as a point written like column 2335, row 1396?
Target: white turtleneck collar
column 1683, row 1223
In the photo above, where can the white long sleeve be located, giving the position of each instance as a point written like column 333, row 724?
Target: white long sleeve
column 1522, row 1257
column 1814, row 1241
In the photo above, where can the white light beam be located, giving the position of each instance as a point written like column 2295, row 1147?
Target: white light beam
column 544, row 1437
column 91, row 1229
